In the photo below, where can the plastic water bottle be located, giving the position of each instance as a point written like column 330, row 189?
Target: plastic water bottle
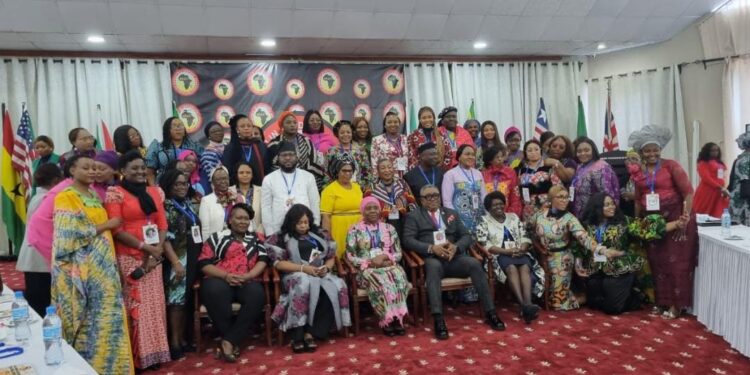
column 726, row 224
column 52, row 334
column 20, row 314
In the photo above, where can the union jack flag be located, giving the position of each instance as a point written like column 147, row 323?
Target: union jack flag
column 610, row 130
column 541, row 120
column 23, row 151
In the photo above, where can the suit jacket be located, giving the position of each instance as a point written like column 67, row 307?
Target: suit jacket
column 419, row 228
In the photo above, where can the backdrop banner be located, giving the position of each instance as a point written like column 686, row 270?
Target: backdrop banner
column 207, row 92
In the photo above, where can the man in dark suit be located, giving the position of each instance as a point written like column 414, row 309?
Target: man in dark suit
column 439, row 236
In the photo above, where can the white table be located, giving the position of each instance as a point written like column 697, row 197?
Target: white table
column 722, row 285
column 33, row 352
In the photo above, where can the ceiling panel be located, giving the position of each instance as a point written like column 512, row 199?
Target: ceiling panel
column 638, row 8
column 389, row 25
column 479, row 7
column 594, row 28
column 272, row 4
column 699, row 8
column 577, row 8
column 497, row 27
column 312, row 23
column 562, row 28
column 538, row 8
column 85, row 17
column 395, row 6
column 529, row 28
column 353, row 24
column 435, row 6
column 624, row 28
column 135, row 18
column 272, row 22
column 669, row 8
column 221, row 21
column 462, row 27
column 608, row 8
column 35, row 16
column 426, row 26
column 182, row 20
column 362, row 5
column 227, row 3
column 654, row 29
column 314, row 4
column 508, row 7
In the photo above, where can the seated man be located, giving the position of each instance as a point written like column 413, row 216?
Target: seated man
column 439, row 236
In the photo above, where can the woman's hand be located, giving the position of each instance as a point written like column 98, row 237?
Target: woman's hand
column 234, row 280
column 725, row 193
column 380, row 261
column 613, row 253
column 113, row 223
column 628, row 196
column 154, row 251
column 179, row 270
column 150, row 264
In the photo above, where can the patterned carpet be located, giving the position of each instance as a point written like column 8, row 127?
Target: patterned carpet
column 577, row 342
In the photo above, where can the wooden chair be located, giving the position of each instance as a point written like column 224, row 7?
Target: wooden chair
column 359, row 295
column 448, row 283
column 540, row 253
column 201, row 312
column 277, row 288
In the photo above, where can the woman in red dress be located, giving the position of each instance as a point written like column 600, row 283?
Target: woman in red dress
column 711, row 197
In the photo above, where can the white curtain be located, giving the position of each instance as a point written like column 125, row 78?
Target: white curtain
column 638, row 99
column 736, row 98
column 727, row 33
column 427, row 85
column 559, row 84
column 149, row 96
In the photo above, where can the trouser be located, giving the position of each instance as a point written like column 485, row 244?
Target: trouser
column 37, row 291
column 217, row 295
column 459, row 266
column 323, row 321
column 610, row 294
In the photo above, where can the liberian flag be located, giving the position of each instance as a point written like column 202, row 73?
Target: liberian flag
column 610, row 130
column 541, row 120
column 23, row 151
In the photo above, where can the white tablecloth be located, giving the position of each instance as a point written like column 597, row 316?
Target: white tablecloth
column 722, row 285
column 33, row 352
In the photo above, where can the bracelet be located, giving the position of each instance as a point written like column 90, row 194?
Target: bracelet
column 301, row 268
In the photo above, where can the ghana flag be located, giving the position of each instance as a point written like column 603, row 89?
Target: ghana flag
column 13, row 200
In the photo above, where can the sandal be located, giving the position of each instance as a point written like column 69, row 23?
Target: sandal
column 656, row 310
column 670, row 314
column 310, row 345
column 298, row 347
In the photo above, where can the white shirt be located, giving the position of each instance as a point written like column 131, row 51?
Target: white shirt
column 278, row 187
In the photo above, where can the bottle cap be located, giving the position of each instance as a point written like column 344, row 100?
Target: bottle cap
column 18, row 294
column 51, row 309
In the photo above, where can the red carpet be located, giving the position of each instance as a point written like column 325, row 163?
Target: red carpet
column 580, row 342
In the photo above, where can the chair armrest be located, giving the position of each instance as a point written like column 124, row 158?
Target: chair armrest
column 348, row 265
column 409, row 260
column 197, row 285
column 340, row 269
column 476, row 255
column 481, row 250
column 415, row 257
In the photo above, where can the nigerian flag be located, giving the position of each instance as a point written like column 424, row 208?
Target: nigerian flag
column 413, row 122
column 472, row 113
column 581, row 119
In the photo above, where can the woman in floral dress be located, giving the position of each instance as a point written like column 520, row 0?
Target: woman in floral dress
column 391, row 145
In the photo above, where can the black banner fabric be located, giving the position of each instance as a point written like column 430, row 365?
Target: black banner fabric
column 206, row 92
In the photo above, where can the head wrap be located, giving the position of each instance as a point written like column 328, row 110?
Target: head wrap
column 511, row 130
column 108, row 157
column 649, row 135
column 425, row 146
column 334, row 167
column 447, row 110
column 284, row 115
column 194, row 175
column 743, row 141
column 213, row 172
column 368, row 200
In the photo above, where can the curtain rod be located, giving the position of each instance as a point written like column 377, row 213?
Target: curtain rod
column 705, row 62
column 623, row 75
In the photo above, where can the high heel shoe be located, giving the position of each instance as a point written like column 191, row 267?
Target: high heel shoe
column 221, row 354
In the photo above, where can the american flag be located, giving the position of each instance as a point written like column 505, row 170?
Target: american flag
column 23, row 151
column 610, row 130
column 541, row 120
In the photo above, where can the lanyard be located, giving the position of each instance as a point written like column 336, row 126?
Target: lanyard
column 396, row 145
column 289, row 188
column 506, row 234
column 375, row 238
column 391, row 193
column 469, row 176
column 185, row 210
column 451, row 139
column 652, row 181
column 248, row 151
column 311, row 240
column 351, row 147
column 249, row 195
column 600, row 233
column 528, row 176
column 496, row 180
column 436, row 219
column 10, row 351
column 431, row 182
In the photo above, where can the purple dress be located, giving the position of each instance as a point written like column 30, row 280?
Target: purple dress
column 591, row 178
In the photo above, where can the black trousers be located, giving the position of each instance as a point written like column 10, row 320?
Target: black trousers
column 37, row 292
column 459, row 266
column 217, row 295
column 323, row 321
column 610, row 294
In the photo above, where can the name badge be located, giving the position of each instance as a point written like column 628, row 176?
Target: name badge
column 196, row 232
column 720, row 174
column 314, row 256
column 150, row 234
column 599, row 258
column 393, row 214
column 475, row 201
column 526, row 195
column 401, row 163
column 289, row 201
column 438, row 237
column 509, row 244
column 572, row 193
column 652, row 202
column 375, row 252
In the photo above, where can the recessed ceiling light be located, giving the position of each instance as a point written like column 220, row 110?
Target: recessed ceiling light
column 601, row 46
column 268, row 43
column 95, row 39
column 480, row 45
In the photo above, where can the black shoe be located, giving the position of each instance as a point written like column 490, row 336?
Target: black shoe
column 399, row 329
column 176, row 353
column 534, row 311
column 494, row 322
column 441, row 330
column 388, row 331
column 188, row 348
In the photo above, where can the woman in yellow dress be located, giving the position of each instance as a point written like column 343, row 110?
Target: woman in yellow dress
column 339, row 202
column 85, row 281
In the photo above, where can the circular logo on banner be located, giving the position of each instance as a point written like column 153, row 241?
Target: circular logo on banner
column 223, row 114
column 396, row 107
column 362, row 88
column 329, row 81
column 295, row 88
column 363, row 110
column 185, row 82
column 223, row 89
column 393, row 81
column 191, row 117
column 261, row 114
column 331, row 112
column 296, row 108
column 260, row 82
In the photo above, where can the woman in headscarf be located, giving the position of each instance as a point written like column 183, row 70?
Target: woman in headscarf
column 454, row 134
column 126, row 138
column 711, row 197
column 192, row 171
column 592, row 176
column 662, row 187
column 427, row 133
column 512, row 139
column 340, row 201
column 373, row 247
column 488, row 138
column 394, row 194
column 174, row 140
column 500, row 177
column 105, row 164
column 362, row 169
column 245, row 145
column 306, row 158
column 739, row 201
column 391, row 145
column 214, row 152
column 139, row 243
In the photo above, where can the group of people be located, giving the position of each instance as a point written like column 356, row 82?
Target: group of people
column 117, row 239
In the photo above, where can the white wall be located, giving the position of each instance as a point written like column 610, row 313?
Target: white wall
column 701, row 87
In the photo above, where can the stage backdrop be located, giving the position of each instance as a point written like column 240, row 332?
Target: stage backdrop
column 206, row 92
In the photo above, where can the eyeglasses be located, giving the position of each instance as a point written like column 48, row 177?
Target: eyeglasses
column 431, row 196
column 346, row 171
column 563, row 197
